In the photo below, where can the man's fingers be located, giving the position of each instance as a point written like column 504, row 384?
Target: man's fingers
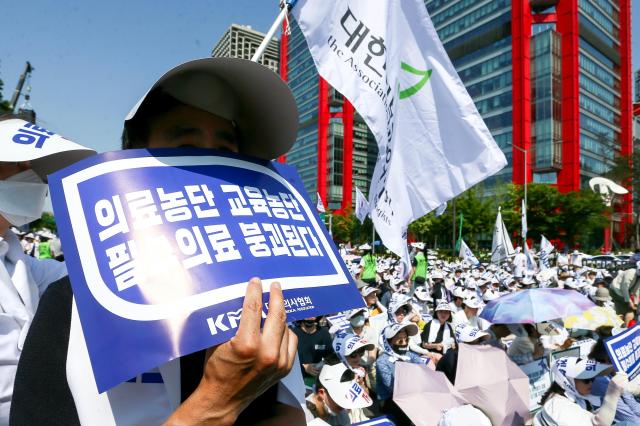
column 249, row 328
column 275, row 325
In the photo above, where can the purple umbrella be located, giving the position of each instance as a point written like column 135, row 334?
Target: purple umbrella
column 535, row 305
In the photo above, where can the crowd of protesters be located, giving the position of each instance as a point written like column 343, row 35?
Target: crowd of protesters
column 423, row 319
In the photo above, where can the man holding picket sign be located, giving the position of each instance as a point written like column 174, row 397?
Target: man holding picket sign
column 192, row 105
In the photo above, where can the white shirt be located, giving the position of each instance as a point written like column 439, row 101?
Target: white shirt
column 23, row 279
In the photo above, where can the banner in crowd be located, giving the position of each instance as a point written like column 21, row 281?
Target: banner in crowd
column 539, row 380
column 624, row 351
column 545, row 250
column 160, row 245
column 501, row 247
column 389, row 62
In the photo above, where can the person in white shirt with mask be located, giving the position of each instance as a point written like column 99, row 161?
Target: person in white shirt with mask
column 25, row 160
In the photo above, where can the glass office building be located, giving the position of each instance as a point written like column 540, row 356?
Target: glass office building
column 552, row 79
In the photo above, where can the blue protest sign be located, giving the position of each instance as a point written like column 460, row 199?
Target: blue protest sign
column 624, row 351
column 160, row 245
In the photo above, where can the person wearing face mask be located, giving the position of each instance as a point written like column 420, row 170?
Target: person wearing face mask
column 23, row 279
column 359, row 326
column 224, row 104
column 334, row 396
column 395, row 338
column 314, row 344
column 569, row 401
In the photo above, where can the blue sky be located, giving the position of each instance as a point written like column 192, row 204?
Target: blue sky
column 93, row 60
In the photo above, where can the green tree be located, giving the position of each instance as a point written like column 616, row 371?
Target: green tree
column 4, row 104
column 46, row 221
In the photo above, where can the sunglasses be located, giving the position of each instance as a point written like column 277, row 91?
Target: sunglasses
column 404, row 311
column 357, row 354
column 590, row 380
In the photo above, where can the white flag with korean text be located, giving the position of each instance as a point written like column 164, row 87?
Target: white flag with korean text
column 388, row 61
column 501, row 247
column 362, row 206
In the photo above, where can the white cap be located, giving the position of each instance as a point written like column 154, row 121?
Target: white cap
column 364, row 247
column 47, row 151
column 459, row 292
column 578, row 368
column 437, row 275
column 248, row 94
column 348, row 394
column 367, row 290
column 490, row 295
column 422, row 294
column 391, row 330
column 467, row 334
column 353, row 312
column 472, row 302
column 352, row 343
column 444, row 306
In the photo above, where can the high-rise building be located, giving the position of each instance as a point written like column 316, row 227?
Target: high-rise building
column 241, row 41
column 334, row 151
column 636, row 86
column 552, row 79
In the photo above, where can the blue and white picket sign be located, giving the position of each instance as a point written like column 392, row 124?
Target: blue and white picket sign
column 160, row 245
column 378, row 421
column 624, row 351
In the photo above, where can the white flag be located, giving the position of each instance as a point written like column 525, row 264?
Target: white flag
column 531, row 263
column 545, row 250
column 501, row 247
column 320, row 204
column 466, row 253
column 362, row 206
column 388, row 61
column 524, row 220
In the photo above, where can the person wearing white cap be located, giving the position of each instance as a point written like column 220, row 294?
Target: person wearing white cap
column 459, row 294
column 336, row 392
column 370, row 296
column 438, row 335
column 359, row 326
column 27, row 154
column 519, row 263
column 469, row 315
column 526, row 347
column 395, row 339
column 625, row 290
column 368, row 267
column 213, row 103
column 569, row 401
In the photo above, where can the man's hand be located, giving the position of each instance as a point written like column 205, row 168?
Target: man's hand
column 240, row 370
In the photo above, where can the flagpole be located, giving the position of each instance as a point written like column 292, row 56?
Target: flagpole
column 453, row 236
column 373, row 238
column 286, row 7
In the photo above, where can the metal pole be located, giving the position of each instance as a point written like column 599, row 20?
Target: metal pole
column 330, row 224
column 270, row 33
column 373, row 238
column 525, row 193
column 453, row 236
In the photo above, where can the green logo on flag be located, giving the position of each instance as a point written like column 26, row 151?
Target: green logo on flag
column 416, row 87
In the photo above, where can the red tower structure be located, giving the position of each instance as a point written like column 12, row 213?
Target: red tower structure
column 567, row 23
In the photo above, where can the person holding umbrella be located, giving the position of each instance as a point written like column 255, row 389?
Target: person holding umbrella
column 569, row 401
column 395, row 340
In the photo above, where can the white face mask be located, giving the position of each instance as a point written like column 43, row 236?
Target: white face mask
column 22, row 198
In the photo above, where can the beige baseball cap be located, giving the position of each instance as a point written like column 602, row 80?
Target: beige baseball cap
column 246, row 93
